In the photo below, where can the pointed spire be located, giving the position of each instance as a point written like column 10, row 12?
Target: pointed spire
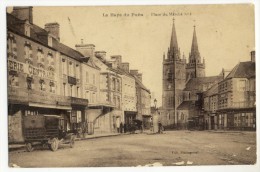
column 194, row 46
column 173, row 43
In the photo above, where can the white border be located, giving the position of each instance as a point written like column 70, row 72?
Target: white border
column 3, row 86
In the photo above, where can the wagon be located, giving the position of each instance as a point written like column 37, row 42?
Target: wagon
column 46, row 130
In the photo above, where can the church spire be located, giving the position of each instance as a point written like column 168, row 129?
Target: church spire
column 194, row 46
column 173, row 43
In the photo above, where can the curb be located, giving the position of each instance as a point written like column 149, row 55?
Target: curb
column 20, row 147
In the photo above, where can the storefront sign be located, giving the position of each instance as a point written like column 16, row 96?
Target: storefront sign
column 14, row 65
column 32, row 70
column 79, row 101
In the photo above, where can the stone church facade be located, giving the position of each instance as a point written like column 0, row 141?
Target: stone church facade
column 177, row 72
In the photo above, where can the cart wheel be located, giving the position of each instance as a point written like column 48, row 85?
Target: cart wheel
column 29, row 147
column 54, row 144
column 72, row 142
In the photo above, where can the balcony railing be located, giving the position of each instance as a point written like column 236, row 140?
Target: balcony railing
column 72, row 80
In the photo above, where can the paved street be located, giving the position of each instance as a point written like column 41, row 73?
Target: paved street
column 169, row 149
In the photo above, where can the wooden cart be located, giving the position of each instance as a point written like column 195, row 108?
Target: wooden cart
column 45, row 129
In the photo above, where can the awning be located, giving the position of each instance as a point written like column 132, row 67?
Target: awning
column 50, row 106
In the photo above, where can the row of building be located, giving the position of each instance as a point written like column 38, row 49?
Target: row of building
column 193, row 100
column 92, row 94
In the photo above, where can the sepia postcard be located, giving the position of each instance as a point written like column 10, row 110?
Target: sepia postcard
column 131, row 86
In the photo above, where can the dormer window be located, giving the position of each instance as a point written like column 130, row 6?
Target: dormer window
column 50, row 40
column 27, row 28
column 11, row 46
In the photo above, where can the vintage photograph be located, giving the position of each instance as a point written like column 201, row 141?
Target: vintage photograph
column 131, row 86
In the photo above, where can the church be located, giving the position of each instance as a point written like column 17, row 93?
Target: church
column 184, row 81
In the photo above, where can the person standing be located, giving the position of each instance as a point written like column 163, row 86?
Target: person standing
column 118, row 125
column 121, row 127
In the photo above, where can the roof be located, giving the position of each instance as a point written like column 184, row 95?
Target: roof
column 243, row 70
column 194, row 83
column 212, row 91
column 40, row 35
column 186, row 105
column 140, row 84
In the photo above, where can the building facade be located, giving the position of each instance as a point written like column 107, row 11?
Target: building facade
column 236, row 98
column 36, row 84
column 174, row 77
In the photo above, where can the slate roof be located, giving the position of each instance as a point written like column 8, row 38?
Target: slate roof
column 40, row 35
column 186, row 105
column 211, row 91
column 138, row 82
column 243, row 70
column 194, row 83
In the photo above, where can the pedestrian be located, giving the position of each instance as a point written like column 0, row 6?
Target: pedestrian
column 125, row 128
column 118, row 125
column 160, row 127
column 121, row 127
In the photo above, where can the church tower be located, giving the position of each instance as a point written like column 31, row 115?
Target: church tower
column 173, row 80
column 195, row 68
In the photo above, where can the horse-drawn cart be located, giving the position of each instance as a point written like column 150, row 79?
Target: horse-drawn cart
column 45, row 129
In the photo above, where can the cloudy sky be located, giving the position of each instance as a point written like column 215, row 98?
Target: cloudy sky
column 225, row 34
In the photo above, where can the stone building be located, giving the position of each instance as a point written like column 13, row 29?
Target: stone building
column 210, row 107
column 174, row 78
column 37, row 82
column 183, row 84
column 143, row 100
column 237, row 97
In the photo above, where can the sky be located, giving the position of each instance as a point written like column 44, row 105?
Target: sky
column 225, row 34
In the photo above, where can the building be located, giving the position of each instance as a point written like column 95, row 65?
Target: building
column 210, row 107
column 183, row 85
column 37, row 82
column 236, row 98
column 143, row 100
column 128, row 94
column 174, row 78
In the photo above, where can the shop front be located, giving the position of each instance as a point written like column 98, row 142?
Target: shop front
column 78, row 122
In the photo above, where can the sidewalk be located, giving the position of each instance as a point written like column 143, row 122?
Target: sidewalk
column 13, row 147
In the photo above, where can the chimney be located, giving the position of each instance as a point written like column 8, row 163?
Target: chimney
column 100, row 54
column 134, row 72
column 53, row 29
column 140, row 77
column 86, row 49
column 23, row 13
column 125, row 66
column 118, row 59
column 252, row 56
